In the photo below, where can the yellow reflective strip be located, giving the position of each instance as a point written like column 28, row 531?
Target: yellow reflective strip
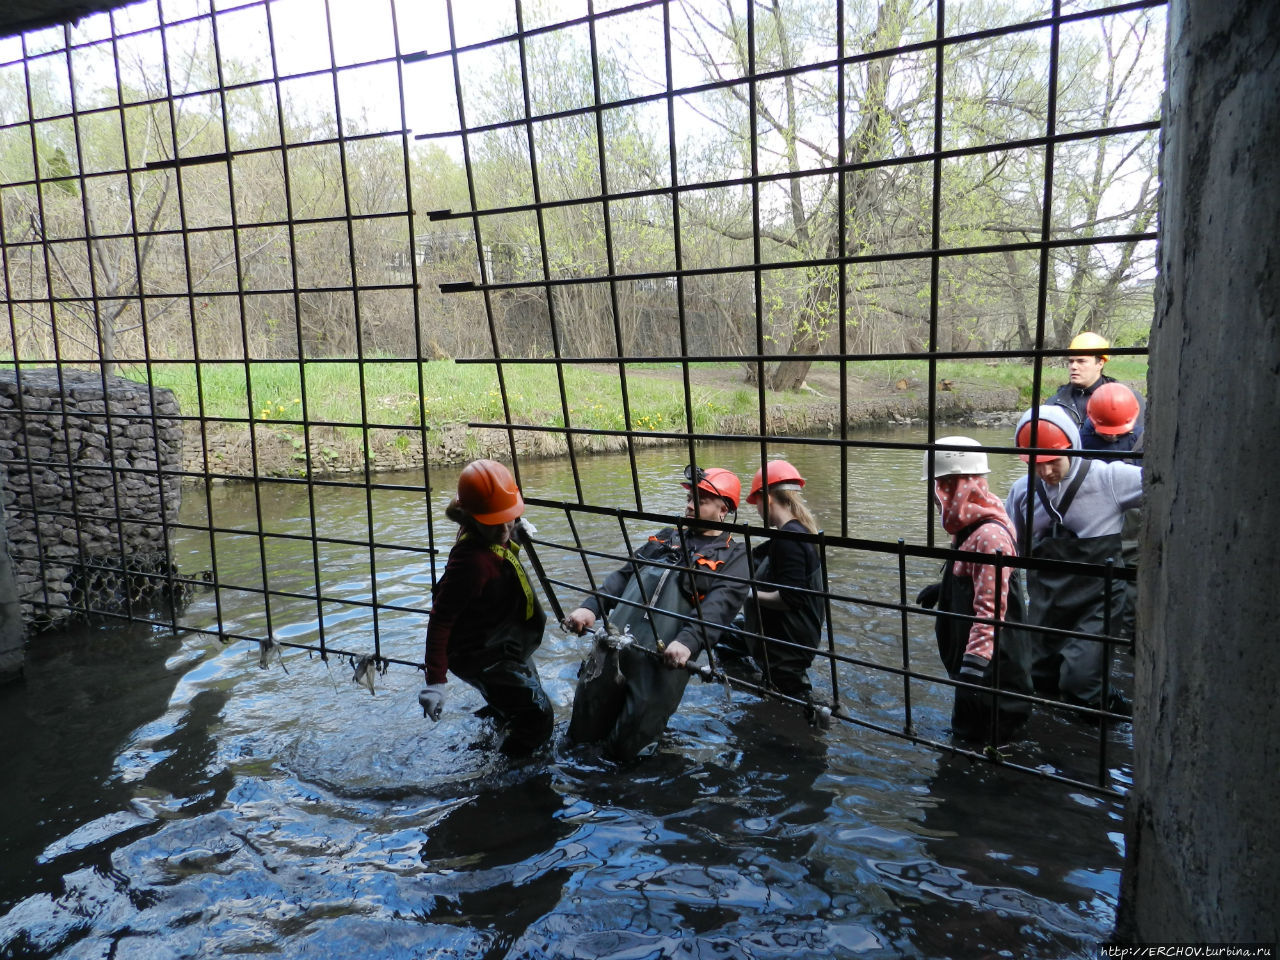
column 510, row 555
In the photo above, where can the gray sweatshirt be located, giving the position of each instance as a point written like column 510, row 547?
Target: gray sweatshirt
column 1109, row 489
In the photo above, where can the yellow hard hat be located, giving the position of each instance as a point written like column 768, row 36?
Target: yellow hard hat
column 1090, row 343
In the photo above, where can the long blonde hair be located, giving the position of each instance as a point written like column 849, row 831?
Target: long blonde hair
column 793, row 501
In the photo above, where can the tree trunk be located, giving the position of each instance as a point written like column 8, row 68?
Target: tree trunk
column 789, row 374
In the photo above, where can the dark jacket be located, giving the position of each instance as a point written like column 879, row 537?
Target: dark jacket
column 785, row 565
column 710, row 597
column 483, row 611
column 1075, row 400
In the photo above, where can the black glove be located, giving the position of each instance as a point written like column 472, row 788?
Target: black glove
column 928, row 597
column 971, row 715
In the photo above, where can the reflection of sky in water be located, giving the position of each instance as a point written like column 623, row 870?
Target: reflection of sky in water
column 288, row 809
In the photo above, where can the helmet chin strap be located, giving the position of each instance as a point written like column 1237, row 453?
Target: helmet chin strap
column 696, row 521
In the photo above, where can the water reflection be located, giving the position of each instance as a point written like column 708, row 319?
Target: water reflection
column 197, row 805
column 83, row 696
column 718, row 857
column 975, row 884
column 501, row 859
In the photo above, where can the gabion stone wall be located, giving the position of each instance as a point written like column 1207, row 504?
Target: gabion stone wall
column 12, row 631
column 91, row 470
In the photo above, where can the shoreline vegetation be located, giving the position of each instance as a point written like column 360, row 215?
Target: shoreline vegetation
column 271, row 419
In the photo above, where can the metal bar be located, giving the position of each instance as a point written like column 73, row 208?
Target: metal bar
column 415, row 284
column 831, row 631
column 1108, row 593
column 758, row 179
column 673, row 170
column 842, row 253
column 304, row 395
column 90, row 259
column 540, row 213
column 1041, row 246
column 485, row 286
column 610, row 255
column 935, row 241
column 358, row 320
column 171, row 570
column 907, row 724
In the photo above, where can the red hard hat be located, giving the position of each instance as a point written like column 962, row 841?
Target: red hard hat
column 718, row 482
column 488, row 491
column 1113, row 408
column 779, row 471
column 1050, row 435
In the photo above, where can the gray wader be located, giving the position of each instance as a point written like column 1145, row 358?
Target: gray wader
column 1072, row 669
column 628, row 708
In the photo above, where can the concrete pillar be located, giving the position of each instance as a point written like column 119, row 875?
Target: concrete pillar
column 1203, row 860
column 13, row 630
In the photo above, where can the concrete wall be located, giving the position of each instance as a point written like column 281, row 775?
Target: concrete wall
column 19, row 15
column 91, row 475
column 1203, row 858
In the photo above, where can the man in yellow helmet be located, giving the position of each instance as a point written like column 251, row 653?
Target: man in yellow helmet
column 1084, row 365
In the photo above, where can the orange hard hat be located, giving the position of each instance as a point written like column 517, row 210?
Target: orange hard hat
column 488, row 491
column 1113, row 409
column 717, row 481
column 781, row 474
column 1050, row 435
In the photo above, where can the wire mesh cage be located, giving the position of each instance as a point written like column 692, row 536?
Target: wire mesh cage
column 363, row 243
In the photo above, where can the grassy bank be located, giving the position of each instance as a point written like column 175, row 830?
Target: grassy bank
column 389, row 393
column 336, row 417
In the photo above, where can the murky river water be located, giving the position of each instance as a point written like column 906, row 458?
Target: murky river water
column 165, row 797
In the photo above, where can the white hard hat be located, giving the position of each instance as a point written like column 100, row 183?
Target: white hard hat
column 946, row 463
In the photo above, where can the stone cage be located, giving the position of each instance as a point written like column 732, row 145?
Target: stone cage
column 89, row 466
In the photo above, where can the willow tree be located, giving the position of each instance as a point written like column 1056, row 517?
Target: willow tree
column 799, row 143
column 782, row 132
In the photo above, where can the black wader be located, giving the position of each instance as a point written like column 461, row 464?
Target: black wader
column 626, row 708
column 799, row 626
column 502, row 669
column 629, row 714
column 1011, row 667
column 1072, row 669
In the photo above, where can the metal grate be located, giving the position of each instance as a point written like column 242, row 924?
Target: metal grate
column 308, row 191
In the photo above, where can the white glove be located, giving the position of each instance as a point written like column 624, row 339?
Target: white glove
column 526, row 527
column 432, row 700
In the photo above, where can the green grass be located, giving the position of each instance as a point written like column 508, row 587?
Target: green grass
column 1012, row 374
column 451, row 393
column 464, row 392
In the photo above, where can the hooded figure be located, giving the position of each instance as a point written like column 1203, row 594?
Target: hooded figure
column 970, row 588
column 1076, row 514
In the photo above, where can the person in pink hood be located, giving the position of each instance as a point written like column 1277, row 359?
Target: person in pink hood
column 972, row 592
